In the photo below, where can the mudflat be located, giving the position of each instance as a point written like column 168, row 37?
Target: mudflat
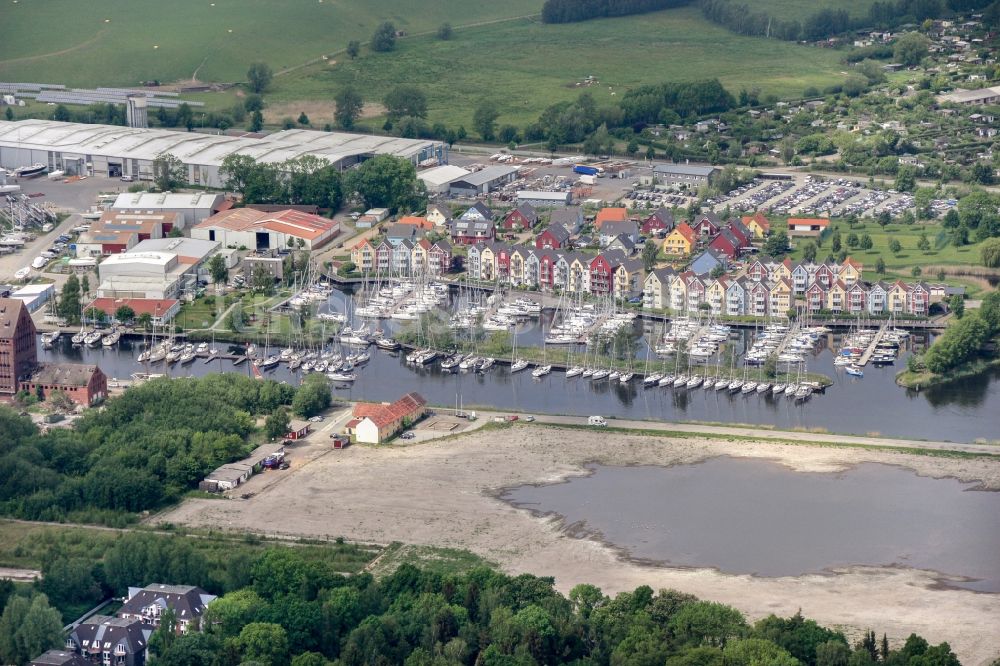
column 445, row 493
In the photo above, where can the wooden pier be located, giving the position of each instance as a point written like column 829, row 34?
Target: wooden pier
column 867, row 355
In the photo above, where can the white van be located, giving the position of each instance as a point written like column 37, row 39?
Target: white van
column 596, row 421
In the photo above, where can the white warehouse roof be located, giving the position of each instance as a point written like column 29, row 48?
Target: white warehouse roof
column 197, row 148
column 442, row 175
column 166, row 200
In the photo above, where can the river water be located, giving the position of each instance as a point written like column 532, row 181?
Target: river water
column 748, row 516
column 960, row 412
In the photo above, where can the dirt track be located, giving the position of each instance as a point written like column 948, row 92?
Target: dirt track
column 442, row 494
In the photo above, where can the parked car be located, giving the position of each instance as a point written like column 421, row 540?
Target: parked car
column 529, row 418
column 596, row 421
column 407, row 435
column 317, row 419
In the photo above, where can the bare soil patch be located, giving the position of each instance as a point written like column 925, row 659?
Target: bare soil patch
column 444, row 493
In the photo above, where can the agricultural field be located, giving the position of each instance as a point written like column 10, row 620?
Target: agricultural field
column 109, row 43
column 525, row 66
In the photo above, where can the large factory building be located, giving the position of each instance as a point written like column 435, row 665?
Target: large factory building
column 113, row 151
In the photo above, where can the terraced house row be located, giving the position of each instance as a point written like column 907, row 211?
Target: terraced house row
column 609, row 272
column 764, row 287
column 403, row 257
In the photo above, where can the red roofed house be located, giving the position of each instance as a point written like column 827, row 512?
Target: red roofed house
column 418, row 222
column 378, row 422
column 610, row 215
column 707, row 224
column 262, row 230
column 807, row 227
column 727, row 243
column 161, row 310
column 758, row 224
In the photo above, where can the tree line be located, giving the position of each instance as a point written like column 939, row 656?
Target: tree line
column 295, row 612
column 745, row 19
column 963, row 341
column 305, row 180
column 571, row 11
column 142, row 451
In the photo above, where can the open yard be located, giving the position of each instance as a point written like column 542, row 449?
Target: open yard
column 800, row 9
column 941, row 252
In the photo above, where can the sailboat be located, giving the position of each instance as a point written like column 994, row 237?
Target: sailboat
column 516, row 364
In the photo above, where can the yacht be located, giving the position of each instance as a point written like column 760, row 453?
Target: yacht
column 541, row 371
column 518, row 365
column 575, row 371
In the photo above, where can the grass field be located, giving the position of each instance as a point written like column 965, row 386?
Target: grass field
column 940, row 253
column 525, row 66
column 105, row 42
column 521, row 64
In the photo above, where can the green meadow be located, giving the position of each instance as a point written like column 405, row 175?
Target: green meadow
column 524, row 66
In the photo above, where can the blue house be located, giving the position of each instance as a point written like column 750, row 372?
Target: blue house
column 707, row 261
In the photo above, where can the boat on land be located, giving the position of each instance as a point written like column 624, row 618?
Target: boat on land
column 30, row 171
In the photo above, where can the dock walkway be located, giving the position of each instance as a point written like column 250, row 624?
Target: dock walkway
column 867, row 356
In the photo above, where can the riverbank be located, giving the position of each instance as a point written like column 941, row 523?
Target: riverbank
column 445, row 493
column 926, row 378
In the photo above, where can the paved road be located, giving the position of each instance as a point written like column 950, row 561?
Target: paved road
column 735, row 431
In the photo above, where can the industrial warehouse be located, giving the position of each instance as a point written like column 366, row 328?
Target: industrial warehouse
column 114, row 151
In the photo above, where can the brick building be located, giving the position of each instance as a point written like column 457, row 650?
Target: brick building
column 18, row 350
column 84, row 384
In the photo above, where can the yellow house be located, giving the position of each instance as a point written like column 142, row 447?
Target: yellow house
column 897, row 297
column 850, row 271
column 628, row 277
column 487, row 263
column 680, row 241
column 836, row 298
column 679, row 294
column 781, row 296
column 363, row 256
column 758, row 224
column 716, row 295
column 418, row 256
column 782, row 271
column 579, row 276
column 517, row 257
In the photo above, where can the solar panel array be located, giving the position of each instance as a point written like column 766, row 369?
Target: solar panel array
column 96, row 97
column 58, row 94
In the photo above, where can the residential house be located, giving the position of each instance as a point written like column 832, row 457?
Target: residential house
column 715, row 295
column 532, row 268
column 522, row 218
column 628, row 278
column 857, row 297
column 758, row 299
column 708, row 261
column 758, row 270
column 419, row 256
column 726, row 243
column 570, row 217
column 472, row 230
column 878, row 298
column 518, row 254
column 85, row 385
column 416, row 221
column 602, row 274
column 147, row 604
column 439, row 258
column 402, row 253
column 610, row 215
column 736, row 297
column 111, row 640
column 611, row 229
column 816, row 297
column 697, row 290
column 555, row 237
column 660, row 222
column 546, row 268
column 656, row 288
column 836, row 297
column 706, row 225
column 399, row 232
column 473, row 261
column 800, row 278
column 363, row 255
column 440, row 216
column 478, row 211
column 678, row 292
column 578, row 273
column 919, row 299
column 824, row 275
column 781, row 297
column 680, row 241
column 622, row 243
column 383, row 256
column 850, row 271
column 379, row 422
column 758, row 224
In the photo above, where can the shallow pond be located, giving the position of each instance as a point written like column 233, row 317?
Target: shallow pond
column 743, row 515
